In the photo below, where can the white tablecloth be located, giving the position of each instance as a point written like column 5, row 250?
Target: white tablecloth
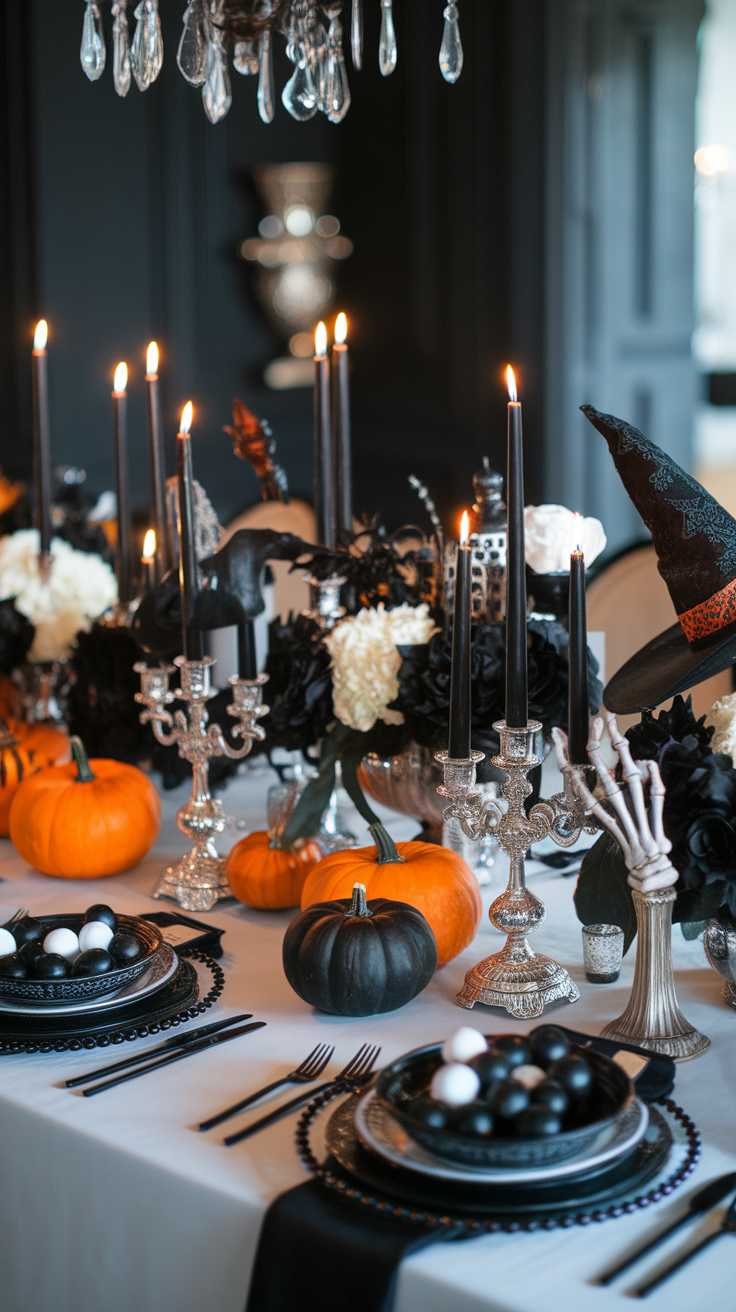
column 118, row 1203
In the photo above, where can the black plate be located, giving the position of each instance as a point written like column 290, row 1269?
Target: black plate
column 540, row 1199
column 410, row 1076
column 71, row 989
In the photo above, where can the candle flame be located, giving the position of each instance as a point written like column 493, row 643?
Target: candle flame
column 121, row 378
column 578, row 528
column 41, row 335
column 149, row 545
column 464, row 528
column 186, row 418
column 511, row 383
column 320, row 339
column 152, row 360
column 341, row 329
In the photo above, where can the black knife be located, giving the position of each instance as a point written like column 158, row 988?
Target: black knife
column 701, row 1201
column 178, row 1041
column 189, row 1051
column 727, row 1227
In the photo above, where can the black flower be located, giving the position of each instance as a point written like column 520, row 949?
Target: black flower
column 299, row 690
column 711, row 845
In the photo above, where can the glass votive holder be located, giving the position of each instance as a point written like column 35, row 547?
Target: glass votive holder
column 603, row 951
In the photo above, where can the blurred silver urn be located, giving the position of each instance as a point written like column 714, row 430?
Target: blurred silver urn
column 407, row 783
column 719, row 941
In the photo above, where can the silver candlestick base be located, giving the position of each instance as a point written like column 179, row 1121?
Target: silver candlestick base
column 653, row 1019
column 522, row 981
column 198, row 879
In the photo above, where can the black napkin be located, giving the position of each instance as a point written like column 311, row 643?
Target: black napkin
column 318, row 1253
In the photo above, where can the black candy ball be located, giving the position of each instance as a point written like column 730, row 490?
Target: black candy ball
column 573, row 1073
column 515, row 1049
column 93, row 962
column 12, row 967
column 491, row 1068
column 30, row 951
column 100, row 912
column 475, row 1119
column 430, row 1113
column 509, row 1099
column 538, row 1123
column 548, row 1044
column 50, row 966
column 550, row 1094
column 124, row 948
column 28, row 930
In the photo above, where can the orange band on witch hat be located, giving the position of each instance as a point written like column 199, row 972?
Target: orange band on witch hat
column 709, row 616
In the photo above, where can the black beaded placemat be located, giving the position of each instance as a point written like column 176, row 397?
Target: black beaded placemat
column 178, row 1001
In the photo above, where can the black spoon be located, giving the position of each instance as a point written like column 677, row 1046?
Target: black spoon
column 727, row 1227
column 701, row 1201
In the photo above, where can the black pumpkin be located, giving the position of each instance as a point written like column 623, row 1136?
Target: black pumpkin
column 354, row 958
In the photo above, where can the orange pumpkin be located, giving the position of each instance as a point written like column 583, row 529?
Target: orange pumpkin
column 85, row 819
column 269, row 878
column 430, row 878
column 25, row 749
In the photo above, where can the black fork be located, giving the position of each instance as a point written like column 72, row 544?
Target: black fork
column 310, row 1069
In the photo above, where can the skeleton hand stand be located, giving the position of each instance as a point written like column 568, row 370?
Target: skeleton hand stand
column 652, row 1018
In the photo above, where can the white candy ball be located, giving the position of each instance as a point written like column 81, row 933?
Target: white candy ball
column 463, row 1044
column 455, row 1084
column 62, row 941
column 95, row 935
column 529, row 1076
column 7, row 943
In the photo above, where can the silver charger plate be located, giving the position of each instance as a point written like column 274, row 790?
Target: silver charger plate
column 163, row 965
column 382, row 1134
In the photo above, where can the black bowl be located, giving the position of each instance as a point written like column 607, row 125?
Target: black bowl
column 80, row 988
column 408, row 1078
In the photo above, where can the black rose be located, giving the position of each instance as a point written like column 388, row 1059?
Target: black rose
column 711, row 847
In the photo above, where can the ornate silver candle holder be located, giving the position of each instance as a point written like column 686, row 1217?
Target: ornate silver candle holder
column 516, row 978
column 198, row 879
column 325, row 598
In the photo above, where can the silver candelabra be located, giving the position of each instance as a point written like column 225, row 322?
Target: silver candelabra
column 198, row 879
column 516, row 978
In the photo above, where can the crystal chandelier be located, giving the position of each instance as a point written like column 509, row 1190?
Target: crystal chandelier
column 219, row 33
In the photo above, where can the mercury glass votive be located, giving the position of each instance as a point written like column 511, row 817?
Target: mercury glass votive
column 603, row 951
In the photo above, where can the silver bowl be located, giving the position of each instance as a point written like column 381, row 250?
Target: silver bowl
column 407, row 783
column 719, row 941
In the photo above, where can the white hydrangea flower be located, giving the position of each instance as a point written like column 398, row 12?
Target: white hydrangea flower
column 723, row 717
column 551, row 533
column 366, row 661
column 79, row 587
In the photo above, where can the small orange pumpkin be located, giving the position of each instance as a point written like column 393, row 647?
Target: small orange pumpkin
column 430, row 878
column 85, row 819
column 270, row 878
column 25, row 749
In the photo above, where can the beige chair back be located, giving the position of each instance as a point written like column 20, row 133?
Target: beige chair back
column 291, row 593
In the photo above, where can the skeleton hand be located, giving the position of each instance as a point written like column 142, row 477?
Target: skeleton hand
column 641, row 838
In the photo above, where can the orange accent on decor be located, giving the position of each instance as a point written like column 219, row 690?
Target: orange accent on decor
column 711, row 615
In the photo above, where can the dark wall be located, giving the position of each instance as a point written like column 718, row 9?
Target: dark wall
column 120, row 220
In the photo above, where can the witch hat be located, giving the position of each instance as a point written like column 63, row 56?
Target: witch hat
column 695, row 541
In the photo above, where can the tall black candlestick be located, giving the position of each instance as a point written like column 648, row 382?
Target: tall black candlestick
column 324, row 501
column 191, row 637
column 459, row 740
column 158, row 474
column 341, row 441
column 41, row 439
column 247, row 667
column 579, row 697
column 120, row 451
column 517, row 712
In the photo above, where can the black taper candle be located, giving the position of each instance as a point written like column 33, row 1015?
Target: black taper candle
column 41, row 438
column 341, row 438
column 191, row 637
column 517, row 711
column 324, row 501
column 157, row 468
column 578, row 694
column 459, row 737
column 247, row 667
column 120, row 452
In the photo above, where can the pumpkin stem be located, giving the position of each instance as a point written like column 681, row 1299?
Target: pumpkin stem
column 7, row 737
column 358, row 906
column 386, row 849
column 84, row 775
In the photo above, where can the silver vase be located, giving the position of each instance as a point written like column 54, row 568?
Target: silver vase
column 407, row 783
column 719, row 941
